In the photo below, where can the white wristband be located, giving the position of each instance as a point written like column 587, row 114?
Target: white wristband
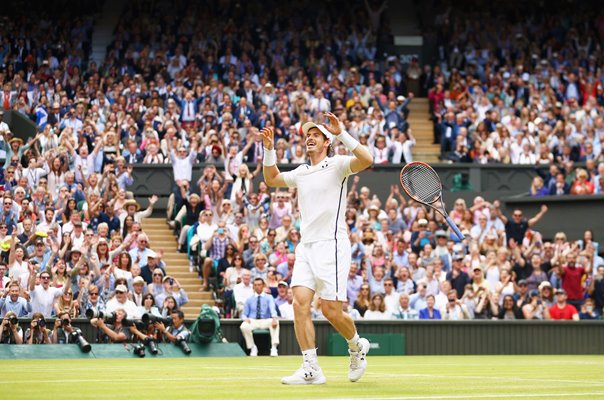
column 270, row 157
column 348, row 141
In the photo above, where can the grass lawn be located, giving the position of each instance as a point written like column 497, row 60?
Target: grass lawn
column 446, row 377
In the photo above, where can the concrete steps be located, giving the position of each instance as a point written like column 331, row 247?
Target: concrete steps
column 161, row 237
column 423, row 131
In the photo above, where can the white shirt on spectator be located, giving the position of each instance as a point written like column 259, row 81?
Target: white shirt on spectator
column 42, row 299
column 183, row 167
column 241, row 293
column 129, row 306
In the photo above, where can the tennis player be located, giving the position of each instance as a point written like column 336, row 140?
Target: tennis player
column 323, row 255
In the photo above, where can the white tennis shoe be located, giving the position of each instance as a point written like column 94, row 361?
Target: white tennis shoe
column 358, row 360
column 306, row 375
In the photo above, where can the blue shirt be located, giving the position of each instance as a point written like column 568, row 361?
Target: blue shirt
column 21, row 307
column 267, row 307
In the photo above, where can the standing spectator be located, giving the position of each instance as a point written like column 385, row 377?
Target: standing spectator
column 42, row 295
column 259, row 313
column 516, row 227
column 572, row 278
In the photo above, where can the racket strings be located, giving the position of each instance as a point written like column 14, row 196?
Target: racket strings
column 421, row 182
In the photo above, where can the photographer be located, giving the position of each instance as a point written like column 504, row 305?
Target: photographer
column 116, row 333
column 37, row 332
column 10, row 333
column 177, row 330
column 61, row 333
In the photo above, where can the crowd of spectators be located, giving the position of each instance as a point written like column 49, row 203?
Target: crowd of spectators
column 184, row 83
column 518, row 85
column 406, row 263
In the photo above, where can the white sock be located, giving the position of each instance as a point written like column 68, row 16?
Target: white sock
column 310, row 356
column 353, row 342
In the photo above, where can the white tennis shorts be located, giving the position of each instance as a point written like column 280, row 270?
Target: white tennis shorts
column 323, row 267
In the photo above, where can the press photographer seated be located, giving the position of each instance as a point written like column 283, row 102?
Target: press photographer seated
column 61, row 333
column 177, row 331
column 37, row 333
column 117, row 331
column 10, row 332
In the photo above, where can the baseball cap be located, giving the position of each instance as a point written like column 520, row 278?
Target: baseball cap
column 309, row 125
column 560, row 291
column 422, row 221
column 522, row 282
column 545, row 284
column 151, row 254
column 282, row 283
column 458, row 256
column 136, row 280
column 440, row 233
column 121, row 288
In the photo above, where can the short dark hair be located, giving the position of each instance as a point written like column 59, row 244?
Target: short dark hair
column 181, row 315
column 259, row 279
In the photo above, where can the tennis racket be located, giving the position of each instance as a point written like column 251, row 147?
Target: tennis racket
column 422, row 184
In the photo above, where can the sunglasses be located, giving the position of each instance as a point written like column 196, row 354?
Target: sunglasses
column 45, row 277
column 157, row 275
column 94, row 294
column 68, row 294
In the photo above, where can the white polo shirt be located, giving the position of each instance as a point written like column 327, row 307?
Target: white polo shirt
column 322, row 194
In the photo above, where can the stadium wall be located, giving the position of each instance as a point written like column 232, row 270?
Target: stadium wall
column 474, row 337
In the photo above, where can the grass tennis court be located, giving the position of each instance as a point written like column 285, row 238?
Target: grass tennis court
column 436, row 377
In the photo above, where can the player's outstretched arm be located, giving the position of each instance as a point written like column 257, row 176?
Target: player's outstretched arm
column 362, row 157
column 272, row 176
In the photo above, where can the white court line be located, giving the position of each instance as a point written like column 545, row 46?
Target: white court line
column 475, row 396
column 377, row 374
column 129, row 380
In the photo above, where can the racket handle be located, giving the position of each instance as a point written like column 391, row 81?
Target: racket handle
column 453, row 226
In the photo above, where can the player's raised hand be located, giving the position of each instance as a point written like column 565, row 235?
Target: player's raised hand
column 268, row 138
column 334, row 124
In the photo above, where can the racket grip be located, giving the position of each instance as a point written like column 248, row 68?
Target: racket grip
column 453, row 226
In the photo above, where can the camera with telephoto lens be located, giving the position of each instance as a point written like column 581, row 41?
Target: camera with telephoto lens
column 92, row 313
column 65, row 322
column 41, row 323
column 184, row 346
column 13, row 320
column 152, row 344
column 149, row 318
column 139, row 350
column 77, row 337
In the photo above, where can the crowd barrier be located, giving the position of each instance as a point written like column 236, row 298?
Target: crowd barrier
column 477, row 337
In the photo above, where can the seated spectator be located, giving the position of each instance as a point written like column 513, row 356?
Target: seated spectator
column 429, row 312
column 286, row 310
column 120, row 301
column 377, row 308
column 588, row 311
column 454, row 310
column 582, row 185
column 148, row 306
column 538, row 188
column 243, row 291
column 10, row 331
column 259, row 313
column 509, row 310
column 404, row 310
column 363, row 302
column 172, row 288
column 562, row 310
